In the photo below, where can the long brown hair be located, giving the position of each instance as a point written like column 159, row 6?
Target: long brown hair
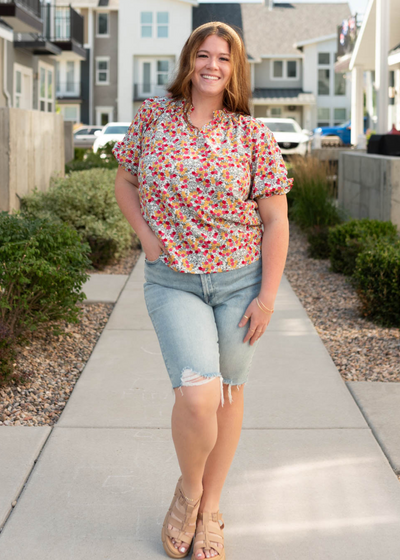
column 238, row 91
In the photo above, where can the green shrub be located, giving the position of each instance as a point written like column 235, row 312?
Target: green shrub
column 377, row 281
column 42, row 271
column 86, row 201
column 91, row 160
column 347, row 240
column 79, row 153
column 317, row 237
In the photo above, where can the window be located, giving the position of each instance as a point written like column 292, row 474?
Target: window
column 22, row 87
column 284, row 69
column 323, row 116
column 291, row 69
column 323, row 58
column 275, row 111
column 70, row 84
column 18, row 88
column 340, row 83
column 102, row 24
column 146, row 21
column 162, row 72
column 102, row 71
column 71, row 113
column 104, row 115
column 146, row 77
column 323, row 82
column 46, row 80
column 278, row 69
column 339, row 116
column 162, row 24
column 62, row 24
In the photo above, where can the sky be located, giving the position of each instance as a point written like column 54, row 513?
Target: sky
column 358, row 6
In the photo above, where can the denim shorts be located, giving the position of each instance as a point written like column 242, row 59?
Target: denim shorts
column 196, row 319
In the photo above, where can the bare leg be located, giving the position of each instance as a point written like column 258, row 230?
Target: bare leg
column 230, row 418
column 194, row 432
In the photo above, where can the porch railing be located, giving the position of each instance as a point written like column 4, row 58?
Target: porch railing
column 33, row 6
column 62, row 23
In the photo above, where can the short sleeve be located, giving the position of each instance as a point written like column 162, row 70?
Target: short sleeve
column 127, row 152
column 268, row 169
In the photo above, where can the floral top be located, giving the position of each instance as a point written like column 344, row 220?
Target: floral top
column 198, row 188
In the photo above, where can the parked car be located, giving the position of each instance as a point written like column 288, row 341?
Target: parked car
column 84, row 137
column 291, row 138
column 113, row 131
column 343, row 131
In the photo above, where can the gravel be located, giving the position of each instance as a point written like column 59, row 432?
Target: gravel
column 48, row 368
column 360, row 349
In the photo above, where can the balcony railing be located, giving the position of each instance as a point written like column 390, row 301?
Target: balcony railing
column 143, row 91
column 68, row 89
column 62, row 23
column 32, row 6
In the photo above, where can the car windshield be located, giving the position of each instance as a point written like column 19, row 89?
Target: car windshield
column 276, row 126
column 120, row 129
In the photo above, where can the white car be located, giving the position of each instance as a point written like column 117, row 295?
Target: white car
column 291, row 138
column 113, row 131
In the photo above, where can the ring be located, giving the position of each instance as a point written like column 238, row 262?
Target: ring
column 245, row 316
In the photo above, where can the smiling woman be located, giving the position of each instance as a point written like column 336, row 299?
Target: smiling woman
column 197, row 181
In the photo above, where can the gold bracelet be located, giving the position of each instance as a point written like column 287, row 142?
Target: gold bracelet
column 258, row 303
column 270, row 310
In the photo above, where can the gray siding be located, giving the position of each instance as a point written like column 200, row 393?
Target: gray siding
column 107, row 95
column 263, row 71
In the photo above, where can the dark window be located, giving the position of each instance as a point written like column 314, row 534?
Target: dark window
column 323, row 82
column 323, row 58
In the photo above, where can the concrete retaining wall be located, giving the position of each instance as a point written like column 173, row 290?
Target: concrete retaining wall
column 369, row 186
column 31, row 152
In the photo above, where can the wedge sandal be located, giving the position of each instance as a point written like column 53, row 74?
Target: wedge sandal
column 209, row 534
column 186, row 521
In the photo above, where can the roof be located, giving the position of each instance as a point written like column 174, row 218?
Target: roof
column 268, row 32
column 226, row 13
column 284, row 95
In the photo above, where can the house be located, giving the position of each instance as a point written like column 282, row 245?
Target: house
column 32, row 36
column 374, row 64
column 87, row 88
column 151, row 37
column 291, row 49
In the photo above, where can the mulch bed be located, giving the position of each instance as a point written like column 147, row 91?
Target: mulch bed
column 360, row 349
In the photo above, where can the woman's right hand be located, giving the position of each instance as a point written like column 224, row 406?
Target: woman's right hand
column 152, row 246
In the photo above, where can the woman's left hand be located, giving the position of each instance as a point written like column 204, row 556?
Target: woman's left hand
column 258, row 322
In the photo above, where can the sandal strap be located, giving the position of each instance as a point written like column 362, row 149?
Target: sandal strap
column 211, row 534
column 186, row 519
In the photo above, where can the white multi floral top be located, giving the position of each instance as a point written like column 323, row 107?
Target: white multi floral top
column 198, row 188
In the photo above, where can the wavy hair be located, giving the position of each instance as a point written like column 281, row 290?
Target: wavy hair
column 238, row 91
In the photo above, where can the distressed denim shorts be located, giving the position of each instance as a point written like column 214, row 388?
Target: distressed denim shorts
column 196, row 318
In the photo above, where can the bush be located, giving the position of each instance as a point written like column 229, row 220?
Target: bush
column 42, row 272
column 377, row 281
column 87, row 159
column 86, row 201
column 348, row 240
column 312, row 204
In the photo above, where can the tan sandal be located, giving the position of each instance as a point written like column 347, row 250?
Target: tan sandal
column 209, row 534
column 181, row 525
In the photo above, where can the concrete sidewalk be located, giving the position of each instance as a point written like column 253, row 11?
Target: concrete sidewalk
column 308, row 482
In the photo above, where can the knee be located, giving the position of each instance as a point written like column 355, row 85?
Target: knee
column 199, row 396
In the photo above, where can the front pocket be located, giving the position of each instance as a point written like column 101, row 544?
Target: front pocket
column 152, row 262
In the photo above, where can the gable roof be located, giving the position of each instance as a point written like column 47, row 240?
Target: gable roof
column 268, row 32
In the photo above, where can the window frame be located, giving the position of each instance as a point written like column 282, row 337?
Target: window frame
column 324, row 69
column 324, row 63
column 101, row 109
column 98, row 34
column 29, row 72
column 75, row 106
column 102, row 59
column 162, row 25
column 324, row 121
column 284, row 69
column 151, row 25
column 48, row 68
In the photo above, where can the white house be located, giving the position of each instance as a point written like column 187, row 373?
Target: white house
column 377, row 56
column 151, row 37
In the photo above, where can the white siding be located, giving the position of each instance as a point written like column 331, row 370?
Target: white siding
column 132, row 47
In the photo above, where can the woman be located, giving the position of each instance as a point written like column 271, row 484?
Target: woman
column 195, row 181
